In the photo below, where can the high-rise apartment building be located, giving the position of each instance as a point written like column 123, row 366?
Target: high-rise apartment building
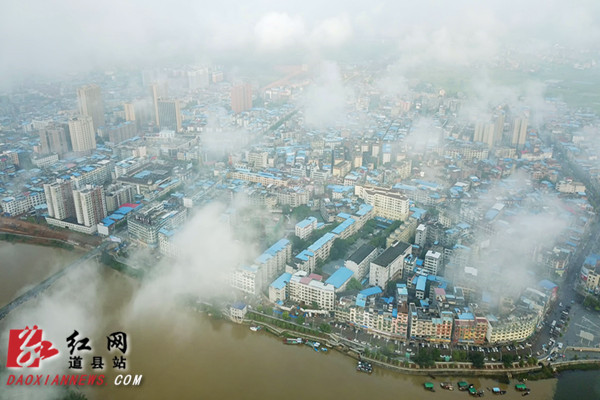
column 485, row 133
column 432, row 262
column 90, row 205
column 158, row 91
column 83, row 138
column 91, row 104
column 54, row 138
column 519, row 131
column 59, row 198
column 241, row 98
column 129, row 109
column 169, row 115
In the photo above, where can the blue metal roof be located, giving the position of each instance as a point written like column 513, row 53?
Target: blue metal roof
column 546, row 284
column 305, row 254
column 339, row 277
column 372, row 291
column 124, row 210
column 281, row 281
column 364, row 209
column 421, row 283
column 344, row 215
column 343, row 226
column 306, row 222
column 321, row 241
column 272, row 251
column 361, row 300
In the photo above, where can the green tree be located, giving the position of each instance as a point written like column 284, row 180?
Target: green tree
column 507, row 360
column 339, row 248
column 325, row 328
column 477, row 358
column 354, row 284
column 301, row 212
column 298, row 244
column 532, row 361
column 592, row 302
column 427, row 357
column 369, row 227
column 300, row 320
column 286, row 315
column 459, row 355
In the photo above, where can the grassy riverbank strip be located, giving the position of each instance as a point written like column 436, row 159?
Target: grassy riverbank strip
column 17, row 238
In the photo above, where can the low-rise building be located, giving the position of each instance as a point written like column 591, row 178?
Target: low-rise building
column 246, row 278
column 360, row 260
column 340, row 278
column 513, row 328
column 469, row 329
column 388, row 265
column 305, row 227
column 278, row 289
column 308, row 289
column 387, row 203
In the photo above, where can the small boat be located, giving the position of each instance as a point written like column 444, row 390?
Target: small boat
column 324, row 349
column 364, row 366
column 497, row 390
column 521, row 387
column 255, row 328
column 293, row 341
column 525, row 394
column 446, row 385
column 429, row 386
column 462, row 385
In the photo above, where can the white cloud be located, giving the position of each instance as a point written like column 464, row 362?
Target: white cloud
column 326, row 97
column 332, row 31
column 274, row 31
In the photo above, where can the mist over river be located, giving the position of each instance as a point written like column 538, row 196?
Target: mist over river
column 185, row 355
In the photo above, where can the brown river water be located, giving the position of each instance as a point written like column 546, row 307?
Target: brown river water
column 183, row 354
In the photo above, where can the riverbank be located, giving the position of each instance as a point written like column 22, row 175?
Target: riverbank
column 539, row 371
column 42, row 234
column 34, row 240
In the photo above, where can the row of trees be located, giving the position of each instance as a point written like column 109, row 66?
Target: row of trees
column 289, row 325
column 380, row 239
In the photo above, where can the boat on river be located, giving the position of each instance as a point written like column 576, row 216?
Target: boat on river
column 293, row 341
column 496, row 390
column 446, row 385
column 364, row 366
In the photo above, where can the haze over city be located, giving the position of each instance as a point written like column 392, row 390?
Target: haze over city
column 411, row 185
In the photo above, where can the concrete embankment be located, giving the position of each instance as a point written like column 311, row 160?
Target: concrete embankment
column 441, row 368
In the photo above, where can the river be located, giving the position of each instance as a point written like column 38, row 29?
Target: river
column 23, row 265
column 186, row 355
